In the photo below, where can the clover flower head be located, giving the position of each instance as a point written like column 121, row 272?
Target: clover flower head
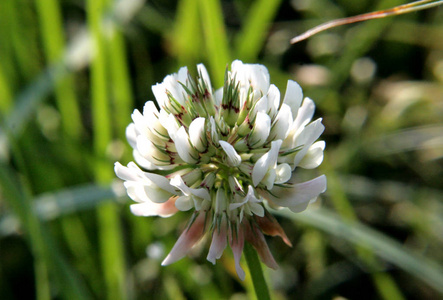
column 222, row 154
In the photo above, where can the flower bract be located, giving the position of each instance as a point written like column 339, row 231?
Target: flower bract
column 222, row 154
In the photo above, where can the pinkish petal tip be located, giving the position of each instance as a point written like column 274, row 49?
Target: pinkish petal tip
column 187, row 240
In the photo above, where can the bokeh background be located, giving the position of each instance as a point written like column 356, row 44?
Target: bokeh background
column 71, row 73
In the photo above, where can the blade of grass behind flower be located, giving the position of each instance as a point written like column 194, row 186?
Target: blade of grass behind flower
column 23, row 36
column 187, row 39
column 51, row 29
column 422, row 268
column 214, row 31
column 250, row 40
column 384, row 283
column 110, row 236
column 5, row 91
column 121, row 87
column 46, row 255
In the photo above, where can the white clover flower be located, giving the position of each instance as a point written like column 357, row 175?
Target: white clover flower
column 223, row 154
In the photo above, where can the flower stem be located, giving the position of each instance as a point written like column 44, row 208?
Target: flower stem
column 258, row 280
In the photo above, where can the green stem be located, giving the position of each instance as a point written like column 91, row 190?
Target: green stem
column 258, row 280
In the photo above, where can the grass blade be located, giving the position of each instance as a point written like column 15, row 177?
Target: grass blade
column 46, row 254
column 110, row 236
column 51, row 28
column 188, row 29
column 250, row 40
column 420, row 267
column 214, row 31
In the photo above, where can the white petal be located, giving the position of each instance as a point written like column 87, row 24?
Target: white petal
column 184, row 148
column 260, row 106
column 150, row 115
column 237, row 243
column 268, row 160
column 293, row 96
column 219, row 241
column 261, row 130
column 300, row 195
column 251, row 74
column 147, row 209
column 257, row 209
column 218, row 96
column 307, row 137
column 204, row 74
column 125, row 173
column 184, row 203
column 213, row 131
column 169, row 122
column 171, row 83
column 314, row 156
column 269, row 179
column 160, row 181
column 273, row 100
column 143, row 162
column 160, row 95
column 283, row 173
column 197, row 133
column 282, row 123
column 304, row 114
column 148, row 150
column 234, row 159
column 178, row 182
column 131, row 135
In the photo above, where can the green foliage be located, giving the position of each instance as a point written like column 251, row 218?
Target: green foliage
column 71, row 72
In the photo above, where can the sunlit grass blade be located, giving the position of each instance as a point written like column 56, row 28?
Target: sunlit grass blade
column 386, row 286
column 23, row 36
column 61, row 203
column 217, row 47
column 77, row 55
column 123, row 102
column 398, row 10
column 110, row 236
column 250, row 40
column 51, row 28
column 5, row 92
column 188, row 39
column 46, row 254
column 422, row 268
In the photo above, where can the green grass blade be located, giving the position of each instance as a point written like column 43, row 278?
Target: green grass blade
column 110, row 236
column 50, row 206
column 187, row 34
column 384, row 283
column 5, row 92
column 51, row 28
column 250, row 40
column 217, row 47
column 46, row 255
column 23, row 36
column 123, row 102
column 392, row 251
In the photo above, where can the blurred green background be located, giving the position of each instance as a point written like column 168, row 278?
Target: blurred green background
column 72, row 71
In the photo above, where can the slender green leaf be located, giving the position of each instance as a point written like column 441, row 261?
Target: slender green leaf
column 420, row 267
column 250, row 40
column 187, row 33
column 46, row 255
column 217, row 49
column 51, row 29
column 111, row 242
